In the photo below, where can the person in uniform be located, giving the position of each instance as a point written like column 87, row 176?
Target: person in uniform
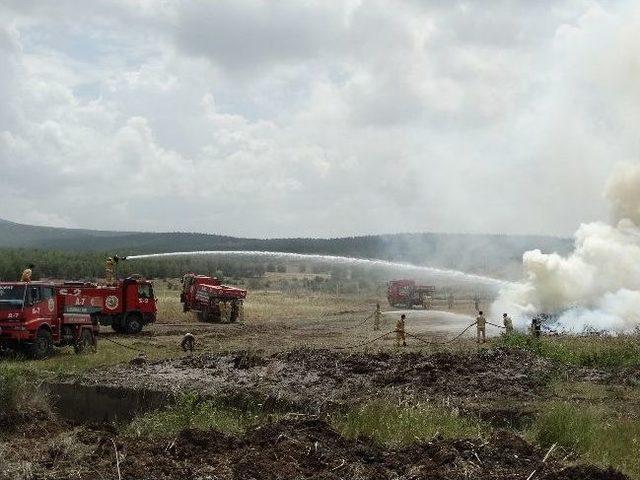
column 110, row 271
column 536, row 326
column 377, row 317
column 508, row 324
column 400, row 337
column 481, row 324
column 27, row 273
column 188, row 342
column 426, row 302
column 224, row 308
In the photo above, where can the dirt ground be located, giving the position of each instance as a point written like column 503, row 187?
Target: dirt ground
column 301, row 448
column 293, row 354
column 313, row 380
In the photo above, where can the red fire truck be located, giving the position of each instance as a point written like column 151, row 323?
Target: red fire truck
column 34, row 318
column 212, row 301
column 127, row 306
column 405, row 293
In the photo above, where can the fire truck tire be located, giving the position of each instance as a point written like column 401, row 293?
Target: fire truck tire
column 42, row 346
column 85, row 342
column 133, row 323
column 116, row 325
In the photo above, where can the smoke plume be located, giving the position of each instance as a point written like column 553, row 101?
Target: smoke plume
column 597, row 286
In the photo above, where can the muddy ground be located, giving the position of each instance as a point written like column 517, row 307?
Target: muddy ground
column 317, row 380
column 499, row 386
column 303, row 448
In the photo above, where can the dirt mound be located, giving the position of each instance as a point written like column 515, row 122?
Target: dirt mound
column 316, row 379
column 304, row 448
column 312, row 449
column 509, row 372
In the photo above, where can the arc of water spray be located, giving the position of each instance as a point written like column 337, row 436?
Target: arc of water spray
column 439, row 272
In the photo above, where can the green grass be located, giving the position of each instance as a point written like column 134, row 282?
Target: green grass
column 191, row 411
column 10, row 386
column 65, row 361
column 596, row 435
column 20, row 393
column 398, row 424
column 588, row 351
column 382, row 420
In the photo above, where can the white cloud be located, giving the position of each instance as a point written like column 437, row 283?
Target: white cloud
column 315, row 117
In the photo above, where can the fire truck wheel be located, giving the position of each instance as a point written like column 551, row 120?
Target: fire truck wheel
column 117, row 326
column 42, row 346
column 133, row 323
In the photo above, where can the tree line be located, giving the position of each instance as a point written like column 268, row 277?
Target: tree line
column 89, row 266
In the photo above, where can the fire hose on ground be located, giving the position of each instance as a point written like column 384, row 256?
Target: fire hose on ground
column 427, row 342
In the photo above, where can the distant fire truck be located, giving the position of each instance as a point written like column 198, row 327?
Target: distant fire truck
column 405, row 293
column 212, row 301
column 35, row 318
column 127, row 306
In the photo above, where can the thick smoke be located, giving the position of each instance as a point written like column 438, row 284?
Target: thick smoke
column 597, row 286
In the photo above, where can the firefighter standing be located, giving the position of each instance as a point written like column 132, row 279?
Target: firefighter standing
column 241, row 310
column 377, row 317
column 508, row 324
column 426, row 302
column 536, row 326
column 110, row 271
column 400, row 331
column 481, row 324
column 27, row 273
column 223, row 311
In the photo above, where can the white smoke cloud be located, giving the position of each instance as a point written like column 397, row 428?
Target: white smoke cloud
column 315, row 118
column 598, row 284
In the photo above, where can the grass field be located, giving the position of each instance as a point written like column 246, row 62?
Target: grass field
column 593, row 421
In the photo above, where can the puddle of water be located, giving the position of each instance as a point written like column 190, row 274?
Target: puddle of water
column 97, row 403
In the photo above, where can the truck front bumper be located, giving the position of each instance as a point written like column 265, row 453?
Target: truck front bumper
column 10, row 332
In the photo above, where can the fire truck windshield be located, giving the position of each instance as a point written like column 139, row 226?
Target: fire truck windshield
column 11, row 296
column 145, row 291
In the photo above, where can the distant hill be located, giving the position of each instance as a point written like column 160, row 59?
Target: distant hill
column 491, row 254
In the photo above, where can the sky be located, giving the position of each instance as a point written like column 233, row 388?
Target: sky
column 315, row 118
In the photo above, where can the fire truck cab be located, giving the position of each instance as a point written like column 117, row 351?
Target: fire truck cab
column 127, row 306
column 33, row 318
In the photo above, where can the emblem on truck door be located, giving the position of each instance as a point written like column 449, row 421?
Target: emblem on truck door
column 111, row 302
column 51, row 304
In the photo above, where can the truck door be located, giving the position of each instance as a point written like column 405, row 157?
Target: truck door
column 146, row 298
column 40, row 308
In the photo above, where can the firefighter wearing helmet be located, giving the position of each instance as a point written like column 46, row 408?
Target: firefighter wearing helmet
column 377, row 317
column 481, row 324
column 27, row 273
column 110, row 271
column 508, row 324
